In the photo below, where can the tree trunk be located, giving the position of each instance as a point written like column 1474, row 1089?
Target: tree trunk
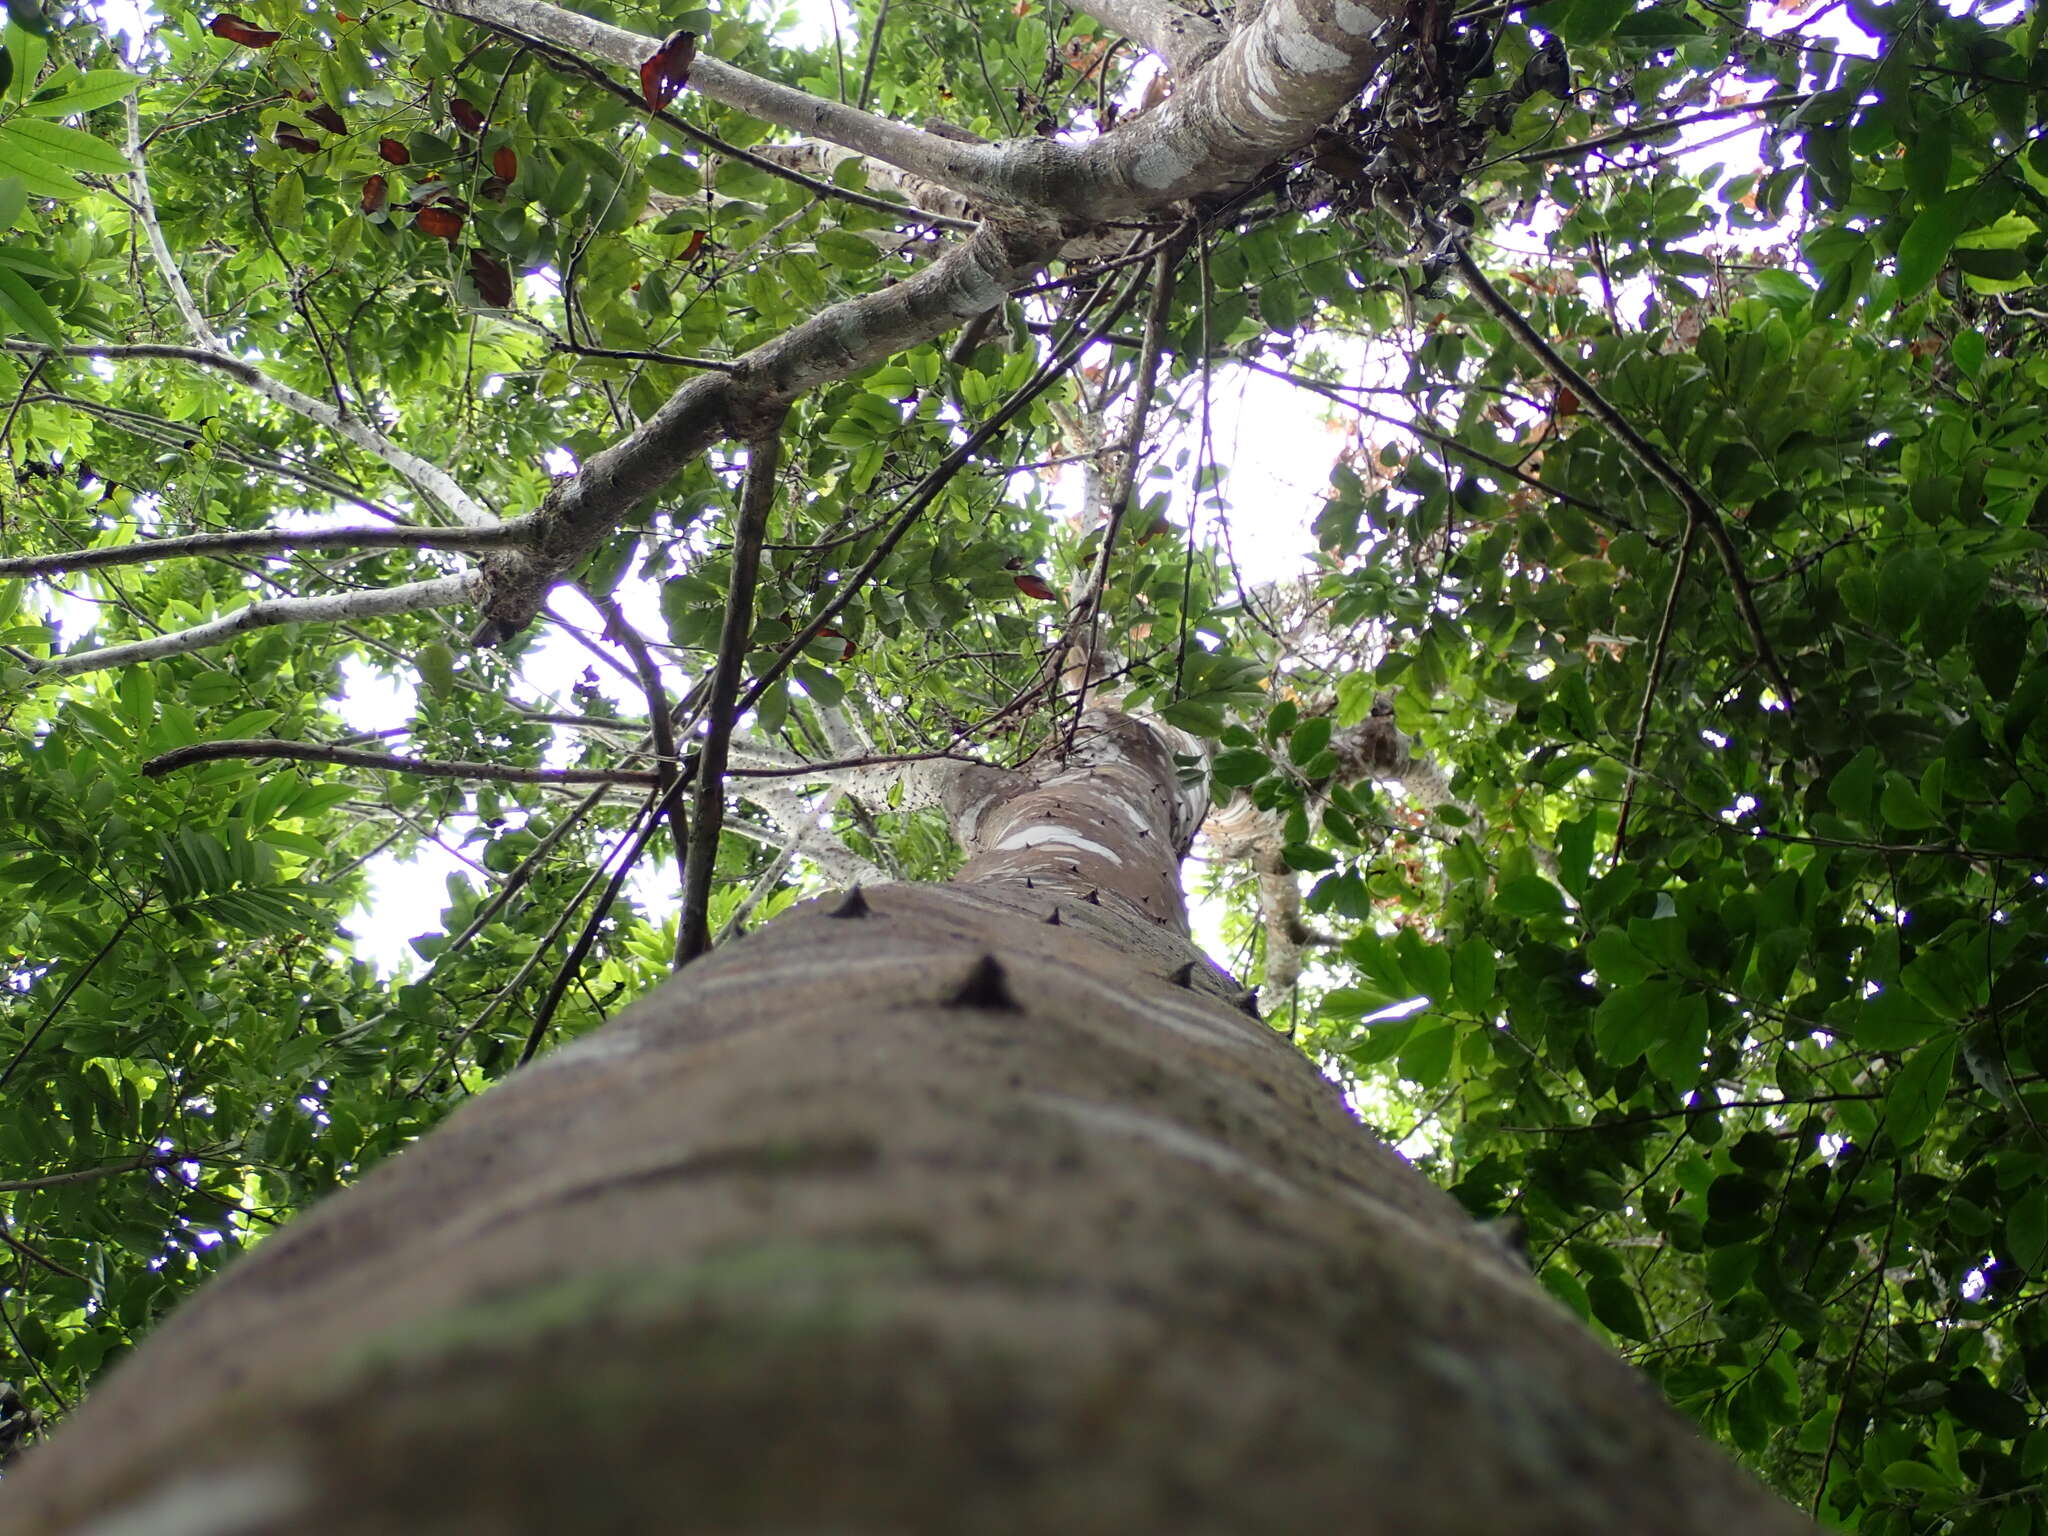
column 986, row 1208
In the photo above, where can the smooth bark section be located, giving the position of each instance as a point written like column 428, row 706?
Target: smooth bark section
column 1108, row 820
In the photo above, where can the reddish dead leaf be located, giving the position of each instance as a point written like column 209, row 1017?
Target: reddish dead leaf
column 289, row 137
column 852, row 648
column 328, row 118
column 236, row 30
column 468, row 116
column 493, row 282
column 693, row 245
column 1160, row 524
column 505, row 162
column 442, row 223
column 344, row 18
column 1033, row 585
column 1567, row 402
column 394, row 152
column 373, row 195
column 667, row 70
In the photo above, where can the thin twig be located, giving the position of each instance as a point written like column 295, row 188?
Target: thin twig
column 1658, row 651
column 757, row 500
column 150, row 1160
column 37, row 1256
column 390, row 762
column 662, row 726
column 265, row 541
column 1129, row 451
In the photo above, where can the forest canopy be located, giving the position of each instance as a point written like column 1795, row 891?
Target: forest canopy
column 1640, row 801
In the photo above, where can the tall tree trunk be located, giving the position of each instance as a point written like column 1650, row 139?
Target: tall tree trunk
column 981, row 1208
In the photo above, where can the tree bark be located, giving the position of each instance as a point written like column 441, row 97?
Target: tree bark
column 987, row 1207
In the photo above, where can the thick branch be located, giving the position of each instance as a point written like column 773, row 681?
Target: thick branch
column 971, row 277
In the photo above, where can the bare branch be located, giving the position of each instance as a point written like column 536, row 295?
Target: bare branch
column 265, row 541
column 441, row 592
column 429, row 479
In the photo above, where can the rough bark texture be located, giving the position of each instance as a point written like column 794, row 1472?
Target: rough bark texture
column 918, row 1211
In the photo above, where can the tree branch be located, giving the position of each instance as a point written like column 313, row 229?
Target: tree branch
column 427, row 478
column 440, row 592
column 757, row 500
column 266, row 541
column 389, row 762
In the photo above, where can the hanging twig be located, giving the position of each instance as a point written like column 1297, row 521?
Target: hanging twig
column 1658, row 651
column 757, row 499
column 1698, row 509
column 1129, row 453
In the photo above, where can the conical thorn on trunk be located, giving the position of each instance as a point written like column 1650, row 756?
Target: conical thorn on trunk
column 1248, row 1002
column 1052, row 918
column 1093, row 898
column 986, row 986
column 852, row 904
column 1184, row 974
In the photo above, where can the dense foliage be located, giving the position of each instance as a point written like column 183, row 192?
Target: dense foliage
column 1720, row 599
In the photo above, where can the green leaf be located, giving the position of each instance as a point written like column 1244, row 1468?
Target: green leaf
column 845, row 249
column 1925, row 245
column 20, row 161
column 1849, row 791
column 1998, row 646
column 94, row 88
column 1902, row 806
column 2026, row 1231
column 1914, row 1092
column 1529, row 896
column 1240, row 766
column 1588, row 21
column 1472, row 976
column 1916, row 1477
column 1426, row 1059
column 1614, row 1303
column 25, row 312
column 68, row 148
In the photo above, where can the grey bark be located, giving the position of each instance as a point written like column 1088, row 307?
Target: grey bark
column 975, row 1208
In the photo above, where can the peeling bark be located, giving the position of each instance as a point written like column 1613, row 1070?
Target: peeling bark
column 917, row 1211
